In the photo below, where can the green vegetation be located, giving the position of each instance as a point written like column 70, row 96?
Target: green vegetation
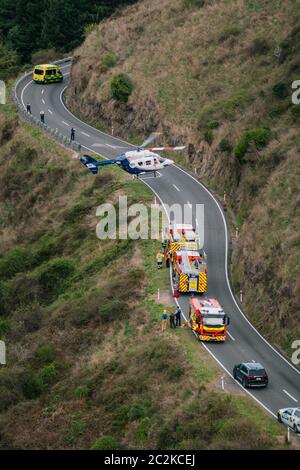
column 258, row 137
column 121, row 87
column 105, row 443
column 280, row 90
column 29, row 26
column 208, row 136
column 193, row 3
column 109, row 60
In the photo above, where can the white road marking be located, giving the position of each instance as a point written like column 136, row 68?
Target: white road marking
column 177, row 189
column 84, row 133
column 49, row 110
column 189, row 204
column 22, row 94
column 291, row 396
column 64, row 122
column 197, row 223
column 43, row 101
column 43, row 91
column 114, row 146
column 230, row 336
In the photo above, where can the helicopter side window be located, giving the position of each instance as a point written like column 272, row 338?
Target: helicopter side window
column 148, row 162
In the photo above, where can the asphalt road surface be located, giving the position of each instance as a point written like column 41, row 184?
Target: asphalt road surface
column 175, row 185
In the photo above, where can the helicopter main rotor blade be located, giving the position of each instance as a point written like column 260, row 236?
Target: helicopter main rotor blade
column 150, row 139
column 156, row 149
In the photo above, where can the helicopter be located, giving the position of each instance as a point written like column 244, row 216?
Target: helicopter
column 136, row 162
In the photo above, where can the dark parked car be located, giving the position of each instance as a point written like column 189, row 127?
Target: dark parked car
column 251, row 374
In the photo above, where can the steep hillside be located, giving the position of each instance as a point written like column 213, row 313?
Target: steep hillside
column 87, row 364
column 215, row 75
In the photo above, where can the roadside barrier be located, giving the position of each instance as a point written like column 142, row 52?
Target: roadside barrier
column 52, row 132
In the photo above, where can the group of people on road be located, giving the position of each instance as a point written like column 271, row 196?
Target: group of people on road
column 174, row 318
column 42, row 118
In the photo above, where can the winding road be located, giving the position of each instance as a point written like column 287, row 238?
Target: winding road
column 175, row 185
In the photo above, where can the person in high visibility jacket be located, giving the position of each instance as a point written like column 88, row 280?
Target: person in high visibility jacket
column 159, row 259
column 164, row 319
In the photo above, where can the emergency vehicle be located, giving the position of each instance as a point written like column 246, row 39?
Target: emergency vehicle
column 208, row 319
column 188, row 260
column 47, row 73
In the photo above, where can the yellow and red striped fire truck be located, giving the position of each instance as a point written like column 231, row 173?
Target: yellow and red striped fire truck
column 208, row 319
column 188, row 260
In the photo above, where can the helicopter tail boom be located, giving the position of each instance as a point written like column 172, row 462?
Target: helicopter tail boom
column 93, row 165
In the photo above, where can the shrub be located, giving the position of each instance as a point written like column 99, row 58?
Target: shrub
column 4, row 327
column 48, row 375
column 295, row 112
column 175, row 372
column 105, row 443
column 225, row 145
column 280, row 90
column 111, row 310
column 82, row 391
column 121, row 87
column 89, row 28
column 137, row 411
column 32, row 386
column 277, row 111
column 259, row 137
column 142, row 429
column 15, row 261
column 76, row 213
column 259, row 46
column 4, row 293
column 194, row 3
column 34, row 319
column 76, row 430
column 11, row 382
column 44, row 251
column 54, row 275
column 208, row 136
column 44, row 355
column 109, row 60
column 213, row 125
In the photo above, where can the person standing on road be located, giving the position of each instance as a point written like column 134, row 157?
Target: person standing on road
column 42, row 116
column 72, row 134
column 159, row 259
column 164, row 321
column 28, row 108
column 178, row 316
column 167, row 258
column 172, row 320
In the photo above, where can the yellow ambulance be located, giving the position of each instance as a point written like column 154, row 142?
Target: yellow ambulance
column 47, row 73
